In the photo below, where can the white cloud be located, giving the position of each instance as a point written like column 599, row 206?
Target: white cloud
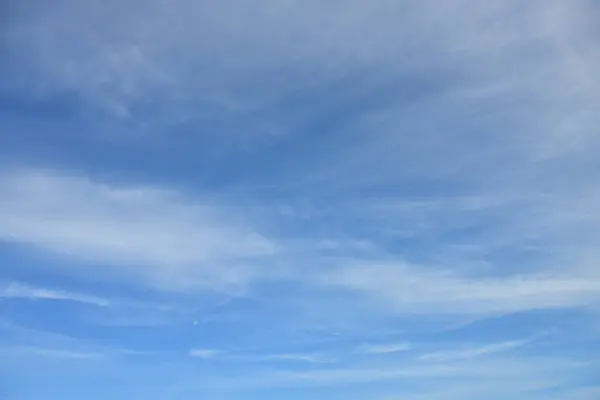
column 240, row 356
column 384, row 348
column 425, row 290
column 21, row 291
column 58, row 353
column 466, row 371
column 517, row 89
column 532, row 388
column 39, row 342
column 152, row 235
column 478, row 122
column 302, row 357
column 205, row 353
column 472, row 352
column 153, row 50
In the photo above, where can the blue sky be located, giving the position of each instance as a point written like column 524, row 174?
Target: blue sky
column 300, row 199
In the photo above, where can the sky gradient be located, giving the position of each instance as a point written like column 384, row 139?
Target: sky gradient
column 387, row 200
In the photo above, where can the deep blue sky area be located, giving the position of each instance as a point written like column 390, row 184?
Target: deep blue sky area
column 298, row 199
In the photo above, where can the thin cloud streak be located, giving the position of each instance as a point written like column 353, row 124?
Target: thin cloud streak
column 20, row 291
column 387, row 348
column 473, row 352
column 402, row 287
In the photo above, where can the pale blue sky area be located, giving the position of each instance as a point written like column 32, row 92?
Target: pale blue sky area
column 384, row 200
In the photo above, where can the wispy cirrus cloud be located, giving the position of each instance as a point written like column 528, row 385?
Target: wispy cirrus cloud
column 297, row 357
column 433, row 290
column 395, row 163
column 501, row 369
column 57, row 353
column 472, row 352
column 262, row 355
column 129, row 64
column 154, row 235
column 20, row 291
column 205, row 353
column 386, row 348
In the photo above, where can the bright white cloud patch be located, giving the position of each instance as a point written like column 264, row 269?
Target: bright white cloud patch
column 152, row 234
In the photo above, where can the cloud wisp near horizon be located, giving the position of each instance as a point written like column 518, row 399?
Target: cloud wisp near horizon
column 387, row 199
